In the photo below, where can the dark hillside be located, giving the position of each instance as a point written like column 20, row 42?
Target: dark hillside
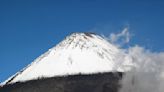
column 106, row 82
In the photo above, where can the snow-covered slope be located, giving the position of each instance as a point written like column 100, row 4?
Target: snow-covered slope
column 79, row 53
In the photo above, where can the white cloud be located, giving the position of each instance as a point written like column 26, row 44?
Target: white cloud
column 120, row 38
column 147, row 76
column 147, row 72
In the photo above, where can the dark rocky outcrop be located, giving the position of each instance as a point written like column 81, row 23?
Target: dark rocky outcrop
column 105, row 82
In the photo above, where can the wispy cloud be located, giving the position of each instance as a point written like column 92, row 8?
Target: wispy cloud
column 120, row 38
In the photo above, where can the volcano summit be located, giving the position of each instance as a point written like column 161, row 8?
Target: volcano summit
column 77, row 55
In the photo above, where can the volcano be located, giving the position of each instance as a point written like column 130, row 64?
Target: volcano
column 82, row 61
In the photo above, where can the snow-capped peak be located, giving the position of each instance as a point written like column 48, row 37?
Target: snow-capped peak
column 79, row 53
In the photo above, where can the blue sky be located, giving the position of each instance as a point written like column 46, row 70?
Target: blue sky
column 28, row 28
